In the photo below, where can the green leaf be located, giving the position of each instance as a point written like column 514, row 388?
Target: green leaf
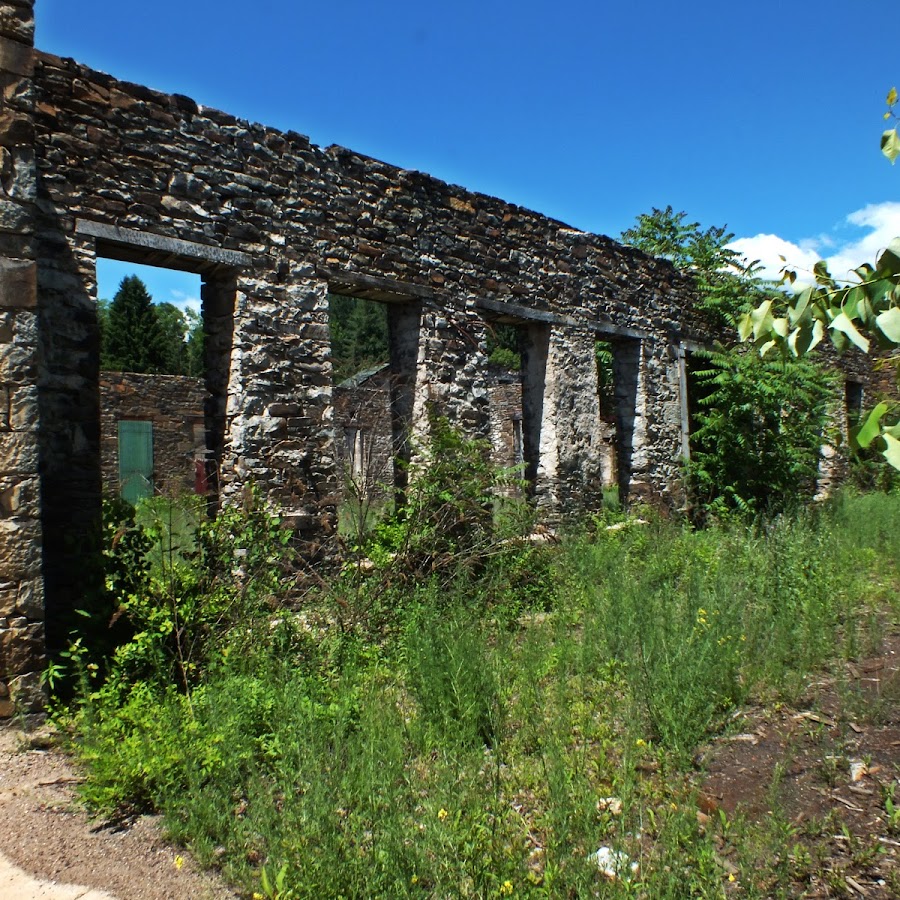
column 892, row 96
column 762, row 319
column 864, row 434
column 820, row 270
column 889, row 323
column 864, row 312
column 780, row 327
column 892, row 453
column 801, row 304
column 843, row 324
column 890, row 144
column 745, row 326
column 889, row 261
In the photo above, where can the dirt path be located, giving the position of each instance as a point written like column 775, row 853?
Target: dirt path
column 825, row 776
column 44, row 833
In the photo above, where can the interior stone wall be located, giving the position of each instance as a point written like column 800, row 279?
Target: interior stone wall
column 174, row 404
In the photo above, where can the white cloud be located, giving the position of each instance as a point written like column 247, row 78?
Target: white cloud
column 185, row 301
column 769, row 250
column 878, row 222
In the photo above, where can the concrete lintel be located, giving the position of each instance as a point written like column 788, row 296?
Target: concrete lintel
column 143, row 246
column 622, row 331
column 375, row 287
column 515, row 312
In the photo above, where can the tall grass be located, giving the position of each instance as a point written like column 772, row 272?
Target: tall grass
column 488, row 747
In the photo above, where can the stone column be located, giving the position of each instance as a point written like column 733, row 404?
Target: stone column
column 21, row 585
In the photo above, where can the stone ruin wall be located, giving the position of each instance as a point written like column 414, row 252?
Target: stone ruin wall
column 95, row 166
column 174, row 405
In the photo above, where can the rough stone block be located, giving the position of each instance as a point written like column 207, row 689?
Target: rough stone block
column 21, row 651
column 21, row 409
column 16, row 56
column 9, row 594
column 14, row 217
column 30, row 599
column 18, row 453
column 27, row 692
column 20, row 549
column 18, row 173
column 18, row 280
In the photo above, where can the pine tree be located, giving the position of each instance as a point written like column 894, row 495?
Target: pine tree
column 133, row 339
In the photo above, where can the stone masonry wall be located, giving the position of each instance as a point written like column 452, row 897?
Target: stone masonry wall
column 21, row 585
column 93, row 166
column 363, row 441
column 174, row 404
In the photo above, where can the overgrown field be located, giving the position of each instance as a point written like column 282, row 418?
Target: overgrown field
column 481, row 727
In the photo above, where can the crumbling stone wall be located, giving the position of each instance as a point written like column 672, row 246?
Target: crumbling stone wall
column 92, row 166
column 21, row 585
column 174, row 405
column 363, row 436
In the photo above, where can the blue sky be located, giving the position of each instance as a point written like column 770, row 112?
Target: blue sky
column 764, row 117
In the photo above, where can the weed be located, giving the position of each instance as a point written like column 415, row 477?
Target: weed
column 456, row 737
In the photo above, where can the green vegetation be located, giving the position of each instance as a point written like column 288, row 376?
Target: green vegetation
column 757, row 426
column 359, row 335
column 137, row 335
column 481, row 729
column 852, row 313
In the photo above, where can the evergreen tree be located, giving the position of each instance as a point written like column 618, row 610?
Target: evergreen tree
column 359, row 335
column 174, row 328
column 134, row 339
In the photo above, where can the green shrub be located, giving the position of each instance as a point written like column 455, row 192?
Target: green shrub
column 759, row 431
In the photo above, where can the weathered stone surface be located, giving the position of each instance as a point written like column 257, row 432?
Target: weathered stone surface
column 9, row 593
column 19, row 549
column 30, row 599
column 18, row 453
column 26, row 691
column 15, row 56
column 17, row 282
column 14, row 217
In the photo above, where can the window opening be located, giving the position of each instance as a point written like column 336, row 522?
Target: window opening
column 363, row 393
column 853, row 399
column 618, row 388
column 165, row 341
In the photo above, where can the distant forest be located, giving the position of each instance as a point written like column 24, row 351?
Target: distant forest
column 360, row 338
column 359, row 335
column 138, row 335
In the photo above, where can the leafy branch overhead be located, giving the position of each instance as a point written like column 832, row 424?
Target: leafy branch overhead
column 859, row 313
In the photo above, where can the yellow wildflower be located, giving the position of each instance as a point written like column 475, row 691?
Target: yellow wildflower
column 442, row 814
column 179, row 862
column 506, row 888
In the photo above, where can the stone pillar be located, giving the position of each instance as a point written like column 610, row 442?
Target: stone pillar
column 631, row 430
column 572, row 405
column 21, row 585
